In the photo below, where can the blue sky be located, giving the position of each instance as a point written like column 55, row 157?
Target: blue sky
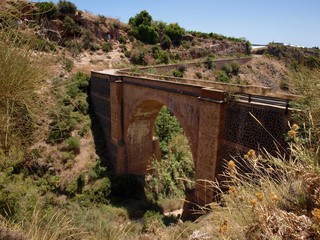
column 288, row 21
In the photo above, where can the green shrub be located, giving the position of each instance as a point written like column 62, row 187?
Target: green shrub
column 235, row 67
column 122, row 40
column 152, row 221
column 71, row 110
column 80, row 183
column 142, row 18
column 210, row 63
column 47, row 10
column 88, row 38
column 68, row 64
column 198, row 75
column 127, row 54
column 99, row 191
column 166, row 42
column 42, row 45
column 312, row 62
column 173, row 175
column 166, row 127
column 70, row 26
column 162, row 57
column 177, row 73
column 248, row 47
column 97, row 171
column 294, row 65
column 107, row 47
column 143, row 29
column 185, row 44
column 74, row 46
column 72, row 144
column 174, row 32
column 222, row 77
column 227, row 68
column 66, row 7
column 78, row 84
column 147, row 34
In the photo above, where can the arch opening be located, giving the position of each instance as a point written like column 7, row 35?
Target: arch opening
column 174, row 174
column 158, row 147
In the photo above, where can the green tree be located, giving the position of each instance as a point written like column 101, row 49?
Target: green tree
column 175, row 32
column 47, row 10
column 142, row 18
column 147, row 34
column 248, row 47
column 66, row 7
column 167, row 126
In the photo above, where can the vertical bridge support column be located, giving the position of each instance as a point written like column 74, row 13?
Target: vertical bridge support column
column 211, row 122
column 117, row 138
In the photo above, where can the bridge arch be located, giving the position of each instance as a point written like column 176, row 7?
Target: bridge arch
column 140, row 130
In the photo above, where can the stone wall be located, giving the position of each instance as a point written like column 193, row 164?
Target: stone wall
column 243, row 132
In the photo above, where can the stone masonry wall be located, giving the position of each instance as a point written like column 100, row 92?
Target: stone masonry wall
column 242, row 132
column 100, row 99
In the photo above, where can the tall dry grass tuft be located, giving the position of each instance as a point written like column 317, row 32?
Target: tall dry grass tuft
column 55, row 227
column 21, row 74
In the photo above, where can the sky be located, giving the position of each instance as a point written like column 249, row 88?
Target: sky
column 294, row 22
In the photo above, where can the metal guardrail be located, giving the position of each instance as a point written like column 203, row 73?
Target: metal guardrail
column 264, row 100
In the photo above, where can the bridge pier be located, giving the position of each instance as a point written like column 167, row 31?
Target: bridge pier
column 211, row 125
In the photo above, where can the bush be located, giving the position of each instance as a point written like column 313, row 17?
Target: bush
column 73, row 106
column 70, row 26
column 198, row 75
column 167, row 126
column 68, row 64
column 122, row 39
column 235, row 67
column 99, row 191
column 107, row 47
column 152, row 221
column 227, row 68
column 248, row 47
column 173, row 175
column 312, row 62
column 47, row 10
column 222, row 77
column 147, row 34
column 66, row 7
column 88, row 38
column 73, row 144
column 177, row 73
column 210, row 63
column 166, row 42
column 174, row 32
column 162, row 57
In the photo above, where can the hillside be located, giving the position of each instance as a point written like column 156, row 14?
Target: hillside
column 55, row 181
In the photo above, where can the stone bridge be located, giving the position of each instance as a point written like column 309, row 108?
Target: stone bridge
column 216, row 118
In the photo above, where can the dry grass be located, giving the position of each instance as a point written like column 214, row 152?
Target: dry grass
column 268, row 197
